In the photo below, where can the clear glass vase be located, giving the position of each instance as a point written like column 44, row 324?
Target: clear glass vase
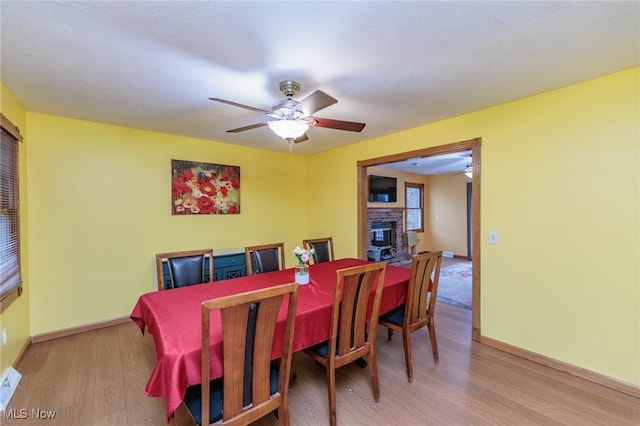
column 302, row 274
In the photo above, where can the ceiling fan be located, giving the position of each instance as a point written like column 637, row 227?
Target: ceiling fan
column 468, row 171
column 293, row 118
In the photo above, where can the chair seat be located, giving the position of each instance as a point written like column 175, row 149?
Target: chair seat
column 322, row 349
column 193, row 398
column 395, row 316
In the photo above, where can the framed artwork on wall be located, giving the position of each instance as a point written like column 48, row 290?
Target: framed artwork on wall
column 203, row 188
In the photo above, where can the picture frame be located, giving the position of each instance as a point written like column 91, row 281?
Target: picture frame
column 199, row 188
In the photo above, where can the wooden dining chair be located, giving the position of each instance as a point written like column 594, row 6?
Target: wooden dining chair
column 184, row 268
column 265, row 257
column 322, row 249
column 419, row 309
column 349, row 340
column 251, row 386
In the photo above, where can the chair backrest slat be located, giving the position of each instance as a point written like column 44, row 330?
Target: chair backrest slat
column 185, row 268
column 423, row 286
column 266, row 257
column 358, row 292
column 250, row 320
column 323, row 249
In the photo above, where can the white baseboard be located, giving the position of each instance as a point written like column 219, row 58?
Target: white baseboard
column 8, row 385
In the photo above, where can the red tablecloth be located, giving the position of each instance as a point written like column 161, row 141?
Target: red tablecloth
column 173, row 318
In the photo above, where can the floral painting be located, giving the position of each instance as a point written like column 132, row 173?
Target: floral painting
column 202, row 188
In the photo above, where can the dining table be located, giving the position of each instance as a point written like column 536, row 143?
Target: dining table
column 173, row 318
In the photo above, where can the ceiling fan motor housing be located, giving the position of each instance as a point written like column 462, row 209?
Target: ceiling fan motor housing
column 289, row 88
column 284, row 109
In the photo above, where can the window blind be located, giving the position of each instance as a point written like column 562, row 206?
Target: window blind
column 10, row 276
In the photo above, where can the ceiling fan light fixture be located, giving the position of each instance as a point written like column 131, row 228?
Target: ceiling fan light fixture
column 288, row 129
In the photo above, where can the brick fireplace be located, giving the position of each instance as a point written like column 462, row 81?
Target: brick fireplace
column 385, row 234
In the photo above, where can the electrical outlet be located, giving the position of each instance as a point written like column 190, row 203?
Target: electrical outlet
column 4, row 337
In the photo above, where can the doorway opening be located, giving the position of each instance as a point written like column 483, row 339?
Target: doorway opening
column 474, row 210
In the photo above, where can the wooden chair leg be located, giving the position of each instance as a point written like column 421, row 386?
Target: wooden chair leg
column 373, row 365
column 331, row 385
column 282, row 415
column 434, row 344
column 292, row 375
column 389, row 333
column 406, row 341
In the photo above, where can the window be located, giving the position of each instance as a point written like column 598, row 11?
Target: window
column 414, row 206
column 10, row 276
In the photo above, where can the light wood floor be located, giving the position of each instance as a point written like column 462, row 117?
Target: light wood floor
column 96, row 378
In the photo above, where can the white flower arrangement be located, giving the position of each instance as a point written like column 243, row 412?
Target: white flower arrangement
column 302, row 254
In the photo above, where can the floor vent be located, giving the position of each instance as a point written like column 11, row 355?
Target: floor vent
column 8, row 385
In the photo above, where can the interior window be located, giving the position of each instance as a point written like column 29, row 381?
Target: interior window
column 414, row 206
column 10, row 275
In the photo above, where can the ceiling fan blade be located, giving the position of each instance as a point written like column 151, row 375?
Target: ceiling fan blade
column 302, row 138
column 250, row 108
column 314, row 102
column 338, row 124
column 242, row 129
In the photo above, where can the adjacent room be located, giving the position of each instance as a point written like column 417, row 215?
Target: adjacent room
column 310, row 213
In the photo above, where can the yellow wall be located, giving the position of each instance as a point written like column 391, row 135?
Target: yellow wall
column 446, row 213
column 100, row 208
column 560, row 184
column 16, row 318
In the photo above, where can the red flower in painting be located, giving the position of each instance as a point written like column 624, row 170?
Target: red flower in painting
column 180, row 188
column 208, row 188
column 206, row 205
column 233, row 209
column 235, row 183
column 187, row 174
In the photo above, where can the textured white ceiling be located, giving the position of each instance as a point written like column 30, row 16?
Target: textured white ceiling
column 392, row 65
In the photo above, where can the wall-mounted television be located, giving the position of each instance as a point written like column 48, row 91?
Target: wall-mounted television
column 382, row 189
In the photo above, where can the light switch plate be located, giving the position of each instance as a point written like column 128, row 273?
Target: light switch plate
column 493, row 237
